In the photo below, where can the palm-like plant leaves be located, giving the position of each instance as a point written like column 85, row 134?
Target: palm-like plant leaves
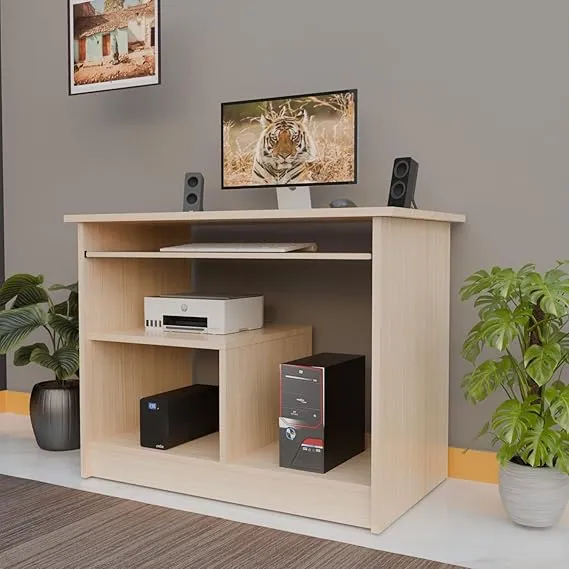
column 488, row 303
column 32, row 308
column 23, row 354
column 541, row 361
column 71, row 287
column 524, row 315
column 506, row 282
column 30, row 295
column 67, row 329
column 73, row 305
column 473, row 344
column 17, row 285
column 63, row 362
column 562, row 458
column 475, row 284
column 506, row 453
column 558, row 401
column 483, row 381
column 17, row 324
column 500, row 327
column 550, row 292
column 540, row 444
column 513, row 418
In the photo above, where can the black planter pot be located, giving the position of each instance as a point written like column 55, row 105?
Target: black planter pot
column 54, row 412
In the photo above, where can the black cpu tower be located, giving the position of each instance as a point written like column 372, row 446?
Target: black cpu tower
column 322, row 416
column 175, row 417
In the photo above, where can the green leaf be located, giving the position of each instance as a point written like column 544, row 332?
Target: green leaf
column 70, row 287
column 558, row 336
column 540, row 444
column 73, row 305
column 15, row 284
column 473, row 344
column 562, row 459
column 513, row 418
column 506, row 453
column 67, row 329
column 30, row 295
column 475, row 284
column 558, row 401
column 526, row 270
column 22, row 355
column 501, row 327
column 489, row 303
column 506, row 283
column 61, row 308
column 541, row 362
column 63, row 362
column 550, row 292
column 17, row 324
column 482, row 381
column 483, row 431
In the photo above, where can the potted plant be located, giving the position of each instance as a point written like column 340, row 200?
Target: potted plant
column 522, row 332
column 25, row 307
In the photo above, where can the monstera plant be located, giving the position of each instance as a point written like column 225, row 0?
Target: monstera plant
column 27, row 307
column 520, row 348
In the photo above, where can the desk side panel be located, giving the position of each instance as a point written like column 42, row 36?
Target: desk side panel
column 410, row 364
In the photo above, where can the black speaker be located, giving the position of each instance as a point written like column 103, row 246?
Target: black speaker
column 193, row 191
column 403, row 182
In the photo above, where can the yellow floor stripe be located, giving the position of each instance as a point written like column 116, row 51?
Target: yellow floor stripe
column 15, row 402
column 477, row 465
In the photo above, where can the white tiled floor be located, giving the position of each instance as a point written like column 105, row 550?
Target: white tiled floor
column 461, row 522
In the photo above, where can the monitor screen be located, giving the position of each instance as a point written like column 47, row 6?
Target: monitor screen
column 303, row 140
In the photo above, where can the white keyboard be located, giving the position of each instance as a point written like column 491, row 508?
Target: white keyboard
column 241, row 247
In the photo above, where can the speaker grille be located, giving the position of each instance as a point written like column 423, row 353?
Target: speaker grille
column 401, row 169
column 398, row 190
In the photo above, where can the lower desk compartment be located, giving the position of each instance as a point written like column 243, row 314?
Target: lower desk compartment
column 342, row 496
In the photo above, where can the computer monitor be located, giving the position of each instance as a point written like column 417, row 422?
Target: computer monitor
column 290, row 142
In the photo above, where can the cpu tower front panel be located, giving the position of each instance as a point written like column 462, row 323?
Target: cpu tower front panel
column 322, row 418
column 301, row 419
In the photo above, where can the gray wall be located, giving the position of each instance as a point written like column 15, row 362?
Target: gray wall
column 477, row 91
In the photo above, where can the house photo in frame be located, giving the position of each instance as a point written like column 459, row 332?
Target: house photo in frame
column 113, row 44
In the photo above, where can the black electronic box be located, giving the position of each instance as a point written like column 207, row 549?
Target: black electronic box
column 175, row 417
column 322, row 416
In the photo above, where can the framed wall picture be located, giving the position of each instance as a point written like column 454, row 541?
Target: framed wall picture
column 113, row 44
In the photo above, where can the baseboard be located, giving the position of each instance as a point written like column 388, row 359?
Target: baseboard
column 475, row 465
column 15, row 402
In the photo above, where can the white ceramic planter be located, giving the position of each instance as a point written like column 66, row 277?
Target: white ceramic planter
column 533, row 497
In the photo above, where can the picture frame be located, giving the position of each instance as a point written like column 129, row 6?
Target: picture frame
column 113, row 45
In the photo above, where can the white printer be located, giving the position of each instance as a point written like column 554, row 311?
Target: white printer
column 201, row 313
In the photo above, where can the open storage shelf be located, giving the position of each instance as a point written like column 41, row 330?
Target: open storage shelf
column 204, row 448
column 120, row 264
column 200, row 341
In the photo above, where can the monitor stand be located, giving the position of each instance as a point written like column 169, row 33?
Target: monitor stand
column 295, row 197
